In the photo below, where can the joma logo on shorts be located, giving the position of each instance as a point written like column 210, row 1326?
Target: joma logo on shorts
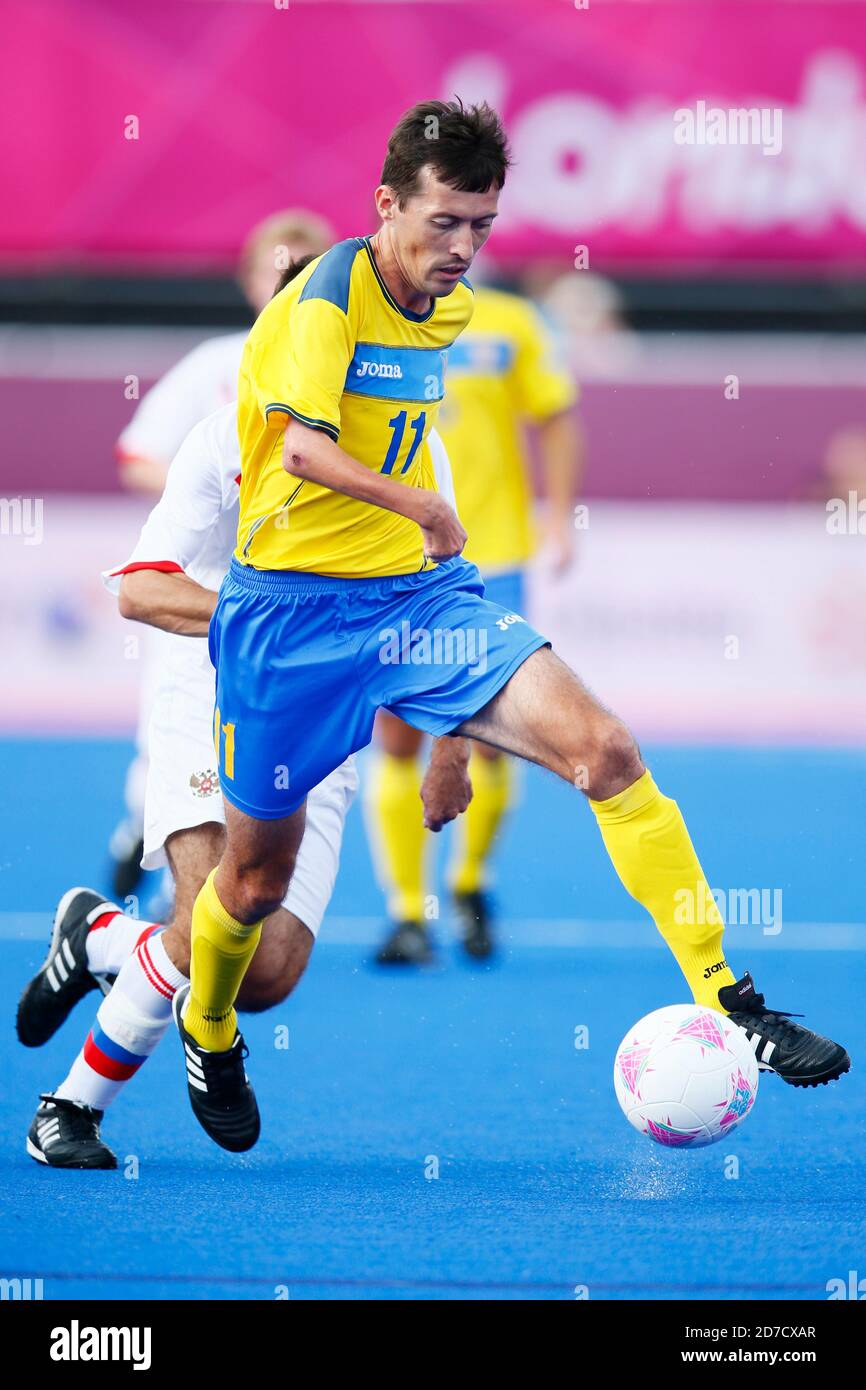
column 392, row 369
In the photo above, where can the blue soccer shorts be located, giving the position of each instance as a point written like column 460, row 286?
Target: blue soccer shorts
column 303, row 662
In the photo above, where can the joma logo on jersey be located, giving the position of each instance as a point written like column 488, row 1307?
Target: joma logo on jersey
column 510, row 618
column 390, row 369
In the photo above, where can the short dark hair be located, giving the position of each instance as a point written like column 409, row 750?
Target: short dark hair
column 466, row 146
column 292, row 269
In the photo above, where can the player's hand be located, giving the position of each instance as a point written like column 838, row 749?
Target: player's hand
column 440, row 526
column 558, row 546
column 446, row 790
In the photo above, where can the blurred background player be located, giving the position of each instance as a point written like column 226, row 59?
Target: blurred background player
column 200, row 383
column 507, row 391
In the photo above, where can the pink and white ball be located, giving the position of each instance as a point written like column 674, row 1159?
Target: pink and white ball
column 685, row 1076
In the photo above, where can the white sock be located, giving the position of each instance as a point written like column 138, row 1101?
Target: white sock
column 113, row 937
column 130, row 1023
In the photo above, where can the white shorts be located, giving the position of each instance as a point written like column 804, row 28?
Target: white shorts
column 183, row 788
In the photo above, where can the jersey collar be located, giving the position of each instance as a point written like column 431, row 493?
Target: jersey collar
column 406, row 313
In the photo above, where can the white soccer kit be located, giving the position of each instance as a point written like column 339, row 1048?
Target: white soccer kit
column 200, row 383
column 193, row 529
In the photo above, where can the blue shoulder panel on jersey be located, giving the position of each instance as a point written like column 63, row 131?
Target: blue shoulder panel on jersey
column 480, row 355
column 396, row 373
column 331, row 278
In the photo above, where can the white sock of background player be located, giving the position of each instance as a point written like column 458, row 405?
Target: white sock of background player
column 128, row 1026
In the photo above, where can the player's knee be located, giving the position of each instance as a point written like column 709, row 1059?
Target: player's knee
column 259, row 892
column 614, row 762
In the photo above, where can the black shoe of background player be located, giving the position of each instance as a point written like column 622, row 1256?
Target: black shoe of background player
column 799, row 1056
column 126, row 848
column 476, row 923
column 222, row 1099
column 407, row 943
column 65, row 976
column 65, row 1134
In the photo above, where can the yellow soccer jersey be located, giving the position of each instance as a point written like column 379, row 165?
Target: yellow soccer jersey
column 335, row 350
column 501, row 375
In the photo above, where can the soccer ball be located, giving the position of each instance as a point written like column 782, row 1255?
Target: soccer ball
column 685, row 1076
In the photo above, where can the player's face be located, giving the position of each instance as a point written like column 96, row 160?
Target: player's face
column 438, row 231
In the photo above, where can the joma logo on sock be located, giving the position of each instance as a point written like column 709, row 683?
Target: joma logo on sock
column 76, row 1343
column 714, row 969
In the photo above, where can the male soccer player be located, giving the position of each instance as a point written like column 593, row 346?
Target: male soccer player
column 170, row 582
column 202, row 381
column 347, row 593
column 504, row 380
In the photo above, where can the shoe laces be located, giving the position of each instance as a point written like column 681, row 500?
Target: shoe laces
column 80, row 1121
column 776, row 1021
column 224, row 1071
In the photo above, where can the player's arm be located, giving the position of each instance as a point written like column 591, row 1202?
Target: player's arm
column 561, row 447
column 298, row 373
column 164, row 416
column 168, row 600
column 545, row 394
column 446, row 790
column 312, row 455
column 153, row 586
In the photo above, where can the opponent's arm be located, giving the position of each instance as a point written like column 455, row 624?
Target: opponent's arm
column 171, row 601
column 312, row 455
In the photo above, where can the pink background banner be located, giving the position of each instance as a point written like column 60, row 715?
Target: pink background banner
column 244, row 107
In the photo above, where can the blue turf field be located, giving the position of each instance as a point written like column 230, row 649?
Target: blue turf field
column 542, row 1186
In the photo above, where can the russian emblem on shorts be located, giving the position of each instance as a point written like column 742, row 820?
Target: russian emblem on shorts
column 205, row 783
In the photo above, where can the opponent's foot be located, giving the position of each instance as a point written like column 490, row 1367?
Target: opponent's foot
column 222, row 1099
column 799, row 1056
column 476, row 924
column 126, row 848
column 64, row 977
column 65, row 1134
column 407, row 943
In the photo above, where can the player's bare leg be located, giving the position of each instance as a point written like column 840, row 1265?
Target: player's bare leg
column 546, row 715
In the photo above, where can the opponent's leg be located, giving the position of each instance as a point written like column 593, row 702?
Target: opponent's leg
column 397, row 825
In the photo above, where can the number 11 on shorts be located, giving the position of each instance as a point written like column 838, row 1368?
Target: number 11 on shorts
column 228, row 764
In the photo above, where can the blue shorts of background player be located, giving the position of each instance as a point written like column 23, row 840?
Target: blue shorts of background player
column 303, row 662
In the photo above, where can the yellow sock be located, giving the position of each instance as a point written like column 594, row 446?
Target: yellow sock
column 647, row 840
column 221, row 949
column 491, row 793
column 397, row 818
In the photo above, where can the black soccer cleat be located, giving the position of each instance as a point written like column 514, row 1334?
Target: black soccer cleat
column 65, row 976
column 65, row 1134
column 222, row 1099
column 799, row 1056
column 476, row 924
column 407, row 943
